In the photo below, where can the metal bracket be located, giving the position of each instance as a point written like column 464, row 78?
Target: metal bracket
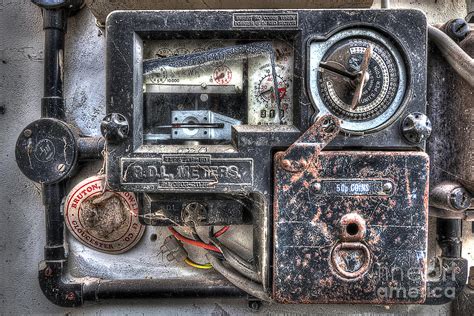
column 307, row 147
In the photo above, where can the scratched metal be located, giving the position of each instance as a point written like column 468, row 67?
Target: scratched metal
column 308, row 209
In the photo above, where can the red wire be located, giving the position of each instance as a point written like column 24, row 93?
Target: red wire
column 221, row 231
column 192, row 242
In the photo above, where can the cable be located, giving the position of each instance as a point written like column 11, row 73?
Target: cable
column 459, row 60
column 199, row 244
column 221, row 231
column 238, row 280
column 197, row 265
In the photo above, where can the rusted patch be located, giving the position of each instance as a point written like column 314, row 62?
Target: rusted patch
column 350, row 260
column 317, row 260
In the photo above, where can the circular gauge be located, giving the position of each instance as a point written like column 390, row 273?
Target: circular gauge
column 266, row 87
column 360, row 77
column 263, row 107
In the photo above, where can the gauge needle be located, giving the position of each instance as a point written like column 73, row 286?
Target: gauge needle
column 281, row 91
column 362, row 77
column 338, row 71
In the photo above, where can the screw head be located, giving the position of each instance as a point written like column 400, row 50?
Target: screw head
column 458, row 29
column 460, row 199
column 61, row 167
column 254, row 305
column 27, row 133
column 317, row 186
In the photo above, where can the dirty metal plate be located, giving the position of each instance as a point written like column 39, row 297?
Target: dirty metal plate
column 187, row 172
column 352, row 227
column 103, row 220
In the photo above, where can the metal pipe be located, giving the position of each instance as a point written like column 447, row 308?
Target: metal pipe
column 144, row 288
column 459, row 60
column 449, row 233
column 54, row 25
column 90, row 148
column 385, row 4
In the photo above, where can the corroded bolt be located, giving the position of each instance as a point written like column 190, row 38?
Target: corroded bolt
column 27, row 133
column 61, row 167
column 71, row 296
column 317, row 186
column 48, row 271
column 387, row 187
column 285, row 164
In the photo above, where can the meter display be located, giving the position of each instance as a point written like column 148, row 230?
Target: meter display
column 197, row 89
column 359, row 76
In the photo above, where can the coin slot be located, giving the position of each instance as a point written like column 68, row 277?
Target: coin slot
column 352, row 229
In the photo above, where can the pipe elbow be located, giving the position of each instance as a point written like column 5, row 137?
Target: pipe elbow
column 55, row 288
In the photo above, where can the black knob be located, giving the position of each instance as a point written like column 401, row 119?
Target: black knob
column 114, row 127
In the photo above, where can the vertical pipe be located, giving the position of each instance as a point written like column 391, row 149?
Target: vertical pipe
column 52, row 198
column 449, row 232
column 385, row 4
column 54, row 25
column 52, row 105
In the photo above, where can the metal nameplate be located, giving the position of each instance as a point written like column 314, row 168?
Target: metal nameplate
column 174, row 171
column 350, row 187
column 252, row 20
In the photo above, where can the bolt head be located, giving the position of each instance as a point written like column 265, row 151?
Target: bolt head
column 285, row 164
column 71, row 296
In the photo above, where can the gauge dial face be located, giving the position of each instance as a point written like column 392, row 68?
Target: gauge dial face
column 338, row 88
column 262, row 105
column 358, row 76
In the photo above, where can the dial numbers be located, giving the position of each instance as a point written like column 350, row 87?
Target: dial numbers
column 379, row 89
column 262, row 99
column 358, row 75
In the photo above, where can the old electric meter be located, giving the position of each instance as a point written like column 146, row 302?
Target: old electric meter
column 220, row 117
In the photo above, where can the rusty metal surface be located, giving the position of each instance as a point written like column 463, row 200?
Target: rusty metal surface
column 385, row 193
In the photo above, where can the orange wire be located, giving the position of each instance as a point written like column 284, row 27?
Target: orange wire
column 192, row 242
column 221, row 231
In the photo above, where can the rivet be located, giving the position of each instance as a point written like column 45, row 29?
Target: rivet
column 387, row 187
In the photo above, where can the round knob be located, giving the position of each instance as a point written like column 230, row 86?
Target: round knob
column 416, row 128
column 114, row 127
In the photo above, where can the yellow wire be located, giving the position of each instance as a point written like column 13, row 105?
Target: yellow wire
column 197, row 265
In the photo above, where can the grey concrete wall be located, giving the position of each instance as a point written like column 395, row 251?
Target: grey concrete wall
column 21, row 212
